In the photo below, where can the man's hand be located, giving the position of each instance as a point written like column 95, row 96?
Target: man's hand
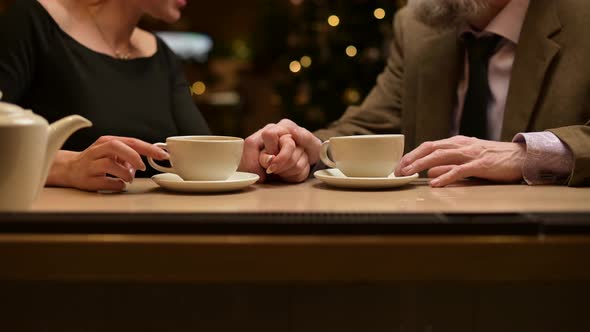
column 459, row 157
column 284, row 149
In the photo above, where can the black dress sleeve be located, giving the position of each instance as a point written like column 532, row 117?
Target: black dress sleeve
column 19, row 48
column 188, row 118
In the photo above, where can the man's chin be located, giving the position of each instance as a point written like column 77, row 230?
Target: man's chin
column 435, row 16
column 441, row 24
column 447, row 14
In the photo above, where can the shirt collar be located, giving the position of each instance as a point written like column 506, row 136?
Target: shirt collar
column 508, row 23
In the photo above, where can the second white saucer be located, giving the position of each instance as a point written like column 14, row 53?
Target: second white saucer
column 173, row 182
column 334, row 177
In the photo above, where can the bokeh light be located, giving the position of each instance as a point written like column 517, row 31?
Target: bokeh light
column 379, row 13
column 351, row 51
column 295, row 66
column 198, row 88
column 333, row 20
column 305, row 61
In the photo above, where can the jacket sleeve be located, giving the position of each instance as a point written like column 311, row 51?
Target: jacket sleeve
column 578, row 140
column 380, row 112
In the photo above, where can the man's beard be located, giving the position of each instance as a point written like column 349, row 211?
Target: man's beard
column 448, row 14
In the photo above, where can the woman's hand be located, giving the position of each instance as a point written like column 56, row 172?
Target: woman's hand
column 89, row 170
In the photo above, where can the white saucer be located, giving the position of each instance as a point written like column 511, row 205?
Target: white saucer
column 239, row 180
column 334, row 177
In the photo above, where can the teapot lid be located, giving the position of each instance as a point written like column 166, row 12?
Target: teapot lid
column 13, row 115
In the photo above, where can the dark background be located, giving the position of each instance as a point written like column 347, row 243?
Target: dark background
column 255, row 43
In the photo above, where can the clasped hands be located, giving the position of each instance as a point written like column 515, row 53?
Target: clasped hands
column 287, row 151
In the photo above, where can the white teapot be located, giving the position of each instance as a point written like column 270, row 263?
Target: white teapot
column 27, row 147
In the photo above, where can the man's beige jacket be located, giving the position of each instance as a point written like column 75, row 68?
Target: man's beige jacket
column 549, row 87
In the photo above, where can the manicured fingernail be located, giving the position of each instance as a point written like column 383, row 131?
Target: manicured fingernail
column 269, row 159
column 270, row 170
column 132, row 172
column 164, row 154
column 142, row 168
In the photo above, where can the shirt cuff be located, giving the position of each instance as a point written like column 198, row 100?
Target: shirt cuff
column 548, row 160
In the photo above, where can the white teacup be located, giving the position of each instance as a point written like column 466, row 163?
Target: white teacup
column 202, row 158
column 364, row 155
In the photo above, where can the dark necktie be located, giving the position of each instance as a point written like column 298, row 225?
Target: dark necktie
column 474, row 119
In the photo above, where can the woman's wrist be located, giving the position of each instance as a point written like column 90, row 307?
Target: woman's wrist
column 60, row 171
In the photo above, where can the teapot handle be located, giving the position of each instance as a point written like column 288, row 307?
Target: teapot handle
column 152, row 163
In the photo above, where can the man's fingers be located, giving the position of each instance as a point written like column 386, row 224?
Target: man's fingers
column 271, row 135
column 309, row 142
column 427, row 148
column 439, row 170
column 288, row 123
column 421, row 151
column 436, row 158
column 455, row 174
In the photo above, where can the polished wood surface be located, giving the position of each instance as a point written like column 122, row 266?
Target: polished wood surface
column 313, row 196
column 52, row 249
column 195, row 258
column 473, row 257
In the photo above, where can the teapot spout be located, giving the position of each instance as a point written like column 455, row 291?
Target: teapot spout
column 59, row 132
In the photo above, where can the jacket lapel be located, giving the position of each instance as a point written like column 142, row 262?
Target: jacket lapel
column 437, row 86
column 534, row 55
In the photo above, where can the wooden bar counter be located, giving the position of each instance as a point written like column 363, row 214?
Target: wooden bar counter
column 312, row 196
column 307, row 232
column 472, row 257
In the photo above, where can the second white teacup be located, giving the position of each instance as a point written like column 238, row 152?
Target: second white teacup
column 364, row 155
column 202, row 158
